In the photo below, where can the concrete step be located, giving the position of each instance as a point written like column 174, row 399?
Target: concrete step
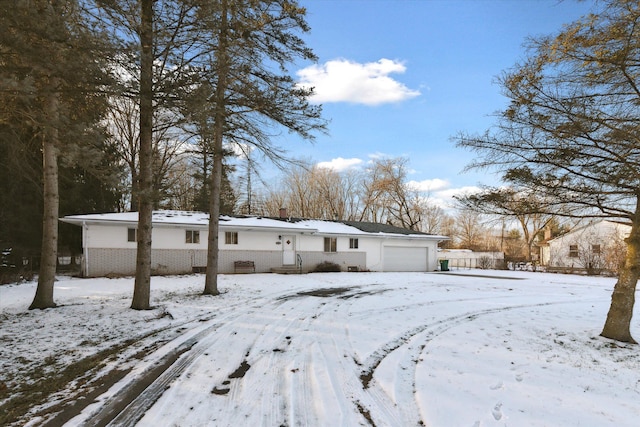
column 287, row 270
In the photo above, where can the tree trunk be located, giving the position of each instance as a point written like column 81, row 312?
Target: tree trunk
column 49, row 253
column 133, row 204
column 617, row 325
column 142, row 286
column 211, row 281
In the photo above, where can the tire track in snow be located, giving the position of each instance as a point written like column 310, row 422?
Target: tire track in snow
column 415, row 340
column 301, row 320
column 304, row 377
column 274, row 331
column 266, row 349
column 141, row 390
column 308, row 388
column 330, row 382
column 327, row 371
column 367, row 313
column 266, row 355
column 130, row 405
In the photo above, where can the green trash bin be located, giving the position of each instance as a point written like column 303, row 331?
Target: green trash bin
column 444, row 265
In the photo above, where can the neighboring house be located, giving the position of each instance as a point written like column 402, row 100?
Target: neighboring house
column 179, row 244
column 594, row 247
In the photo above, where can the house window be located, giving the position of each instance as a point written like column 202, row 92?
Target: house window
column 330, row 244
column 231, row 238
column 573, row 251
column 595, row 249
column 192, row 236
column 353, row 243
column 132, row 235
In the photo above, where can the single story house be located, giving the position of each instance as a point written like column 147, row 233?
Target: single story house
column 179, row 244
column 593, row 247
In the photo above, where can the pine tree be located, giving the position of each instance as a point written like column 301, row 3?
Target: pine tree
column 48, row 80
column 248, row 44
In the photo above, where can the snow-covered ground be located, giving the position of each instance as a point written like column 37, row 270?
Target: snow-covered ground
column 470, row 348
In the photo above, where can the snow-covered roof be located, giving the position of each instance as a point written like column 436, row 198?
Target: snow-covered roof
column 159, row 217
column 201, row 219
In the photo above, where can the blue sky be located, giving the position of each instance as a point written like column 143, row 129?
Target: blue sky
column 401, row 77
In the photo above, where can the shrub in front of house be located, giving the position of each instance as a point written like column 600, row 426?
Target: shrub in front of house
column 485, row 263
column 327, row 267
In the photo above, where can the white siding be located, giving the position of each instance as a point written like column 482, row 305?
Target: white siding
column 311, row 249
column 251, row 241
column 115, row 236
column 107, row 249
column 373, row 248
column 109, row 237
column 603, row 233
column 175, row 238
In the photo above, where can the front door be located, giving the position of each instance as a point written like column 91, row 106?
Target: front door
column 288, row 250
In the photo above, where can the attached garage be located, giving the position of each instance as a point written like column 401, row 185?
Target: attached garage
column 398, row 258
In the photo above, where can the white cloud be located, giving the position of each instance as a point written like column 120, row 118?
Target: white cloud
column 340, row 164
column 439, row 193
column 341, row 80
column 429, row 185
column 376, row 156
column 462, row 191
column 445, row 196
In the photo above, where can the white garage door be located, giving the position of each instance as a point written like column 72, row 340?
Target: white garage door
column 405, row 259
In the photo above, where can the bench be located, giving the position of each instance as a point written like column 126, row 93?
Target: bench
column 244, row 267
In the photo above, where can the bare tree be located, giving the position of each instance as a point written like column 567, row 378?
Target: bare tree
column 123, row 121
column 591, row 255
column 521, row 205
column 615, row 253
column 432, row 218
column 448, row 228
column 331, row 192
column 372, row 199
column 386, row 196
column 275, row 199
column 301, row 199
column 246, row 182
column 378, row 194
column 183, row 191
column 514, row 246
column 470, row 233
column 352, row 202
column 168, row 143
column 314, row 192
